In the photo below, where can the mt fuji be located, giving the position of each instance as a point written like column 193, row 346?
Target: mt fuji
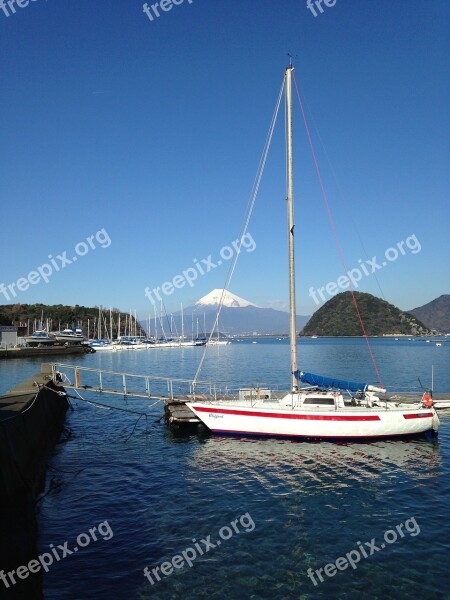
column 237, row 317
column 230, row 300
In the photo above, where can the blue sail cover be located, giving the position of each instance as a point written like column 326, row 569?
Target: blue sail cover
column 321, row 381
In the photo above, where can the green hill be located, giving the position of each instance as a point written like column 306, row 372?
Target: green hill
column 338, row 317
column 59, row 316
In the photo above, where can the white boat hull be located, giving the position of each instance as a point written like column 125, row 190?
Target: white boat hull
column 40, row 338
column 71, row 339
column 102, row 347
column 30, row 340
column 343, row 424
column 442, row 404
column 133, row 346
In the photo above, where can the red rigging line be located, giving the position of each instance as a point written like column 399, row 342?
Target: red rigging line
column 333, row 228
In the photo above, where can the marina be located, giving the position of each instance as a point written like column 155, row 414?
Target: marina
column 224, row 306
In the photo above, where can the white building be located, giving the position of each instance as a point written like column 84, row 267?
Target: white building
column 8, row 336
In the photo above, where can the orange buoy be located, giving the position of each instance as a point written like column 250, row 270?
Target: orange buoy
column 427, row 400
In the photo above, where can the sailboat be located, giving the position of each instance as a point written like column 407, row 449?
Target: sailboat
column 217, row 341
column 324, row 408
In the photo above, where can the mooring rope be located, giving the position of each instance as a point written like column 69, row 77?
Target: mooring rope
column 109, row 407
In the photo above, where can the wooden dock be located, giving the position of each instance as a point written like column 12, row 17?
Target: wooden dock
column 180, row 417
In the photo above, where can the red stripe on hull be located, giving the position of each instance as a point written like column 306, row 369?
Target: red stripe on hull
column 418, row 416
column 247, row 413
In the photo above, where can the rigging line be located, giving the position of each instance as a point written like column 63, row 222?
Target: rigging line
column 167, row 319
column 248, row 214
column 333, row 228
column 339, row 187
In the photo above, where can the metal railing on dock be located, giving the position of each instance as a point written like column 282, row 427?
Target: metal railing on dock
column 129, row 384
column 151, row 386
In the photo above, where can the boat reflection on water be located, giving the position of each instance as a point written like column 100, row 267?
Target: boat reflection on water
column 336, row 464
column 311, row 502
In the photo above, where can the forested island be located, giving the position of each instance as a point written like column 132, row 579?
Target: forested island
column 338, row 317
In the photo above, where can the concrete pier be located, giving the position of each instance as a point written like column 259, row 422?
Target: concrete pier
column 30, row 352
column 31, row 420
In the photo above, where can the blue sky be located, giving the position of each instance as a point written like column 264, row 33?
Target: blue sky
column 151, row 131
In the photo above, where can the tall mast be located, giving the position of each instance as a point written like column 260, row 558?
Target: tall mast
column 182, row 324
column 290, row 205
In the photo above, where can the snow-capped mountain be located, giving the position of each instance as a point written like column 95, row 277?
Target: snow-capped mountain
column 237, row 317
column 230, row 300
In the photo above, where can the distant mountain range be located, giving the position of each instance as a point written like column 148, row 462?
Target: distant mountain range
column 338, row 317
column 435, row 314
column 237, row 317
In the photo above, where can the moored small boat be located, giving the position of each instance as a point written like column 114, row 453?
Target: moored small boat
column 101, row 345
column 71, row 336
column 40, row 337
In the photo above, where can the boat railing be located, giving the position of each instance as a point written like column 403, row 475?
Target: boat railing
column 247, row 396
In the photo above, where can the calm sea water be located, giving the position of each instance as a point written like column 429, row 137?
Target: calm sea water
column 305, row 504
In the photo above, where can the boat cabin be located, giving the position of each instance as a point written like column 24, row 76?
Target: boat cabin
column 321, row 400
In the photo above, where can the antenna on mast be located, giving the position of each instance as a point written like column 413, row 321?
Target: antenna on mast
column 291, row 58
